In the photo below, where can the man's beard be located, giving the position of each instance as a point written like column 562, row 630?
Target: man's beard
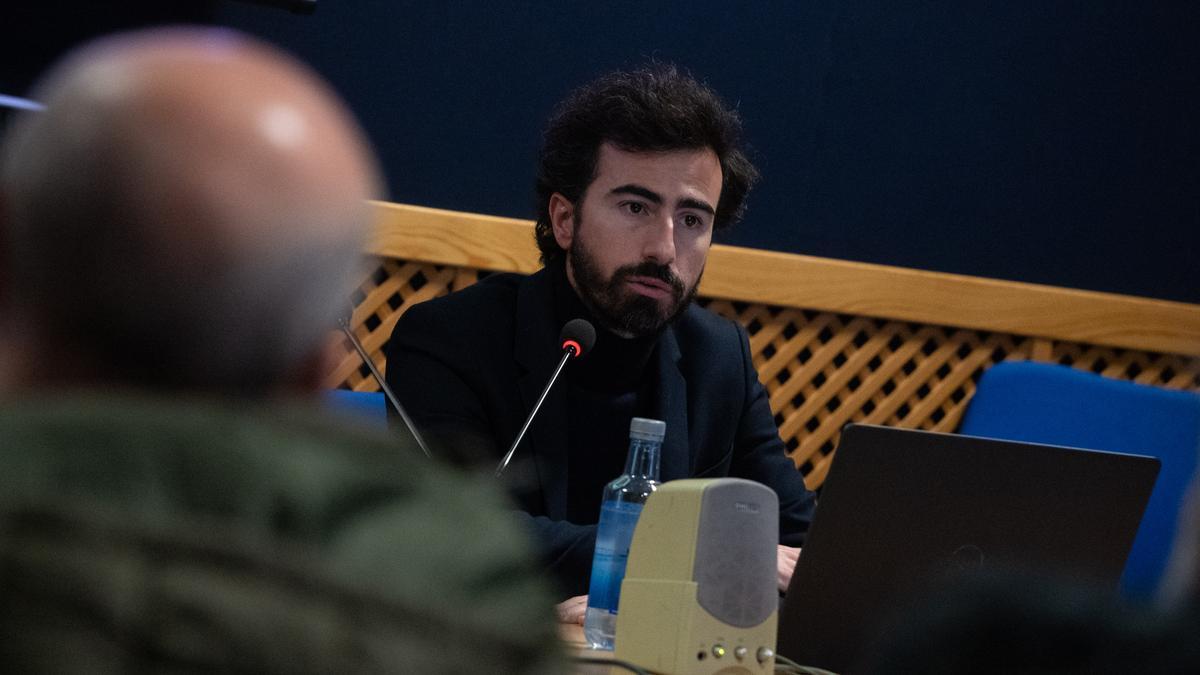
column 620, row 309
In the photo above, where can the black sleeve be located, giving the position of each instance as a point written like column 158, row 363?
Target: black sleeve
column 429, row 368
column 566, row 551
column 433, row 370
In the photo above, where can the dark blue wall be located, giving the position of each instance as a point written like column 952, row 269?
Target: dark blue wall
column 1052, row 142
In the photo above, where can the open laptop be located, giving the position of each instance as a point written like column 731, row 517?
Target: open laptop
column 901, row 507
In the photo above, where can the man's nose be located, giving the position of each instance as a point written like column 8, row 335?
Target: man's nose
column 660, row 242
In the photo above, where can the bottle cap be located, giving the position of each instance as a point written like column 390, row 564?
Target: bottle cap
column 644, row 429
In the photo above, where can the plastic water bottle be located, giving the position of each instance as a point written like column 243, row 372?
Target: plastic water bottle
column 623, row 500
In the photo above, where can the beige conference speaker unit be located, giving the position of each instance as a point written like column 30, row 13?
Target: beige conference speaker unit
column 699, row 595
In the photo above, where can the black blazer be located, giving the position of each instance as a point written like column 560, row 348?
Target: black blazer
column 469, row 367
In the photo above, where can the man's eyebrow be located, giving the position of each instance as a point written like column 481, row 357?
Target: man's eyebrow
column 651, row 195
column 634, row 189
column 689, row 203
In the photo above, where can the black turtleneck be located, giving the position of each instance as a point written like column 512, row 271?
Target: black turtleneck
column 605, row 389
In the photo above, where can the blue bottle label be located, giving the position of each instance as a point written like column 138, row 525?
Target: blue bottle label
column 613, row 536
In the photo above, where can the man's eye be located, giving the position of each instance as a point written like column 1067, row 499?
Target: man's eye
column 635, row 207
column 691, row 220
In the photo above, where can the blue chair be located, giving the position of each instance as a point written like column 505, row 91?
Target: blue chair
column 368, row 407
column 1049, row 403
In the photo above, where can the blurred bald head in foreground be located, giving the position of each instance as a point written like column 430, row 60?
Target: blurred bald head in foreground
column 186, row 214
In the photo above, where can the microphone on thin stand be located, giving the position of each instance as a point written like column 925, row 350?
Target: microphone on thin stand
column 577, row 338
column 344, row 324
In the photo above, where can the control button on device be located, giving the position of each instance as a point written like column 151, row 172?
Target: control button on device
column 718, row 651
column 765, row 653
column 740, row 653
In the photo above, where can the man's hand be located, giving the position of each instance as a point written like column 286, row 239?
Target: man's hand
column 571, row 610
column 786, row 564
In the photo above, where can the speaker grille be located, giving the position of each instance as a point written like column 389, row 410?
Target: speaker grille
column 735, row 552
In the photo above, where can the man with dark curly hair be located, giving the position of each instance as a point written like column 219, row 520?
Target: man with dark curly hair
column 636, row 171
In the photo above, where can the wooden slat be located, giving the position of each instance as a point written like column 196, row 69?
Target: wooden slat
column 952, row 300
column 453, row 238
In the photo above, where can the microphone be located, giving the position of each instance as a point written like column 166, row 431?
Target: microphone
column 577, row 338
column 344, row 324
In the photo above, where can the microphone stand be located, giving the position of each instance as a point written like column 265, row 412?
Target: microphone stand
column 387, row 391
column 567, row 354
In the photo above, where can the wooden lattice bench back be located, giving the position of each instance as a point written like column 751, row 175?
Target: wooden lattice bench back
column 835, row 342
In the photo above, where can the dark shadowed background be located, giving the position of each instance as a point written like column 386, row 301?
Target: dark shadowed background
column 1052, row 142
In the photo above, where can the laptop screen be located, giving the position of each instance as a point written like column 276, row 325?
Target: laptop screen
column 902, row 508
